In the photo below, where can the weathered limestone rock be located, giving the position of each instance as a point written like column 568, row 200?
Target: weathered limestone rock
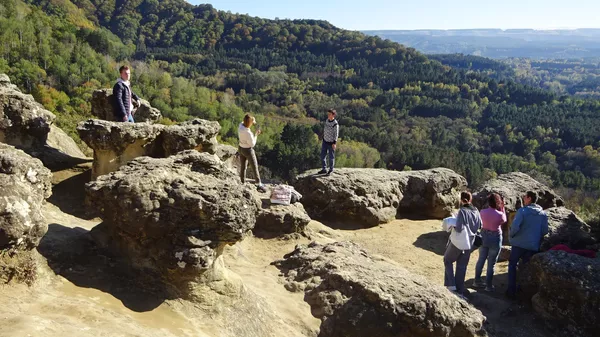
column 512, row 186
column 24, row 123
column 282, row 219
column 227, row 154
column 25, row 184
column 116, row 143
column 566, row 228
column 368, row 197
column 355, row 294
column 197, row 134
column 173, row 216
column 565, row 289
column 102, row 107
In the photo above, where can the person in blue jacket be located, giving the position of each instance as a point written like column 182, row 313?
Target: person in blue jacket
column 526, row 233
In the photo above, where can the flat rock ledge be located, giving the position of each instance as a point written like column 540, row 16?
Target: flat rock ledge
column 116, row 143
column 368, row 197
column 355, row 294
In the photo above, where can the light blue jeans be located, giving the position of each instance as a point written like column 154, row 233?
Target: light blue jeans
column 489, row 250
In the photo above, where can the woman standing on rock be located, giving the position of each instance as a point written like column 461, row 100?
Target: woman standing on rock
column 246, row 150
column 468, row 222
column 492, row 217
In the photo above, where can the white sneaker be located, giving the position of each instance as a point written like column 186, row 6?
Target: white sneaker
column 451, row 288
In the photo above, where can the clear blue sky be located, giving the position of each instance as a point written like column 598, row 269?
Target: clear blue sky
column 426, row 14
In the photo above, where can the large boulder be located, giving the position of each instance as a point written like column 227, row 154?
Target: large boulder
column 276, row 220
column 368, row 197
column 116, row 143
column 25, row 185
column 102, row 107
column 27, row 125
column 512, row 186
column 355, row 294
column 24, row 123
column 565, row 289
column 172, row 217
column 565, row 227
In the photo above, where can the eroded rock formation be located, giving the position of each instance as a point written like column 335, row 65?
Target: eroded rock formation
column 25, row 184
column 565, row 289
column 275, row 220
column 355, row 294
column 116, row 143
column 368, row 197
column 173, row 216
column 565, row 227
column 27, row 125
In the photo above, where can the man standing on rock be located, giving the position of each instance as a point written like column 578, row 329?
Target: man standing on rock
column 124, row 97
column 526, row 233
column 330, row 137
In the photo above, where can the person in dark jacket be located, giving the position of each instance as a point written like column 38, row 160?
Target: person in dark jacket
column 124, row 97
column 527, row 230
column 468, row 219
column 330, row 137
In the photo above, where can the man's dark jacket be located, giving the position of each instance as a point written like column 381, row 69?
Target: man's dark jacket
column 121, row 99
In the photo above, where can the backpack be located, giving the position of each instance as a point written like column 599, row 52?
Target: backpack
column 284, row 195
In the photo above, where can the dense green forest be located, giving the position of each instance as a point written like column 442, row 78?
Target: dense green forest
column 397, row 108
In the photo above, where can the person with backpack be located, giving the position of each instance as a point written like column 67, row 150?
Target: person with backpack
column 527, row 230
column 493, row 217
column 462, row 238
column 247, row 141
column 330, row 137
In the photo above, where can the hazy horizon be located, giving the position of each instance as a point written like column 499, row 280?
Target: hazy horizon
column 427, row 14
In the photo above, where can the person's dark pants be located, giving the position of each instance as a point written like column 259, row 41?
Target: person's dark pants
column 247, row 155
column 327, row 148
column 489, row 250
column 461, row 257
column 516, row 254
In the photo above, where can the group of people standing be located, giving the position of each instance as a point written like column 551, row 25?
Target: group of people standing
column 527, row 230
column 125, row 102
column 247, row 141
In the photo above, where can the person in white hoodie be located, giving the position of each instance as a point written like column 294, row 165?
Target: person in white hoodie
column 246, row 150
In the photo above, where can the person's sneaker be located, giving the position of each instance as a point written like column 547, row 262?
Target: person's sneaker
column 329, row 172
column 261, row 188
column 490, row 289
column 478, row 284
column 461, row 296
column 323, row 171
column 451, row 288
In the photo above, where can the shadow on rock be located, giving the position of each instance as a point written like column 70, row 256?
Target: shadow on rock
column 72, row 254
column 434, row 242
column 69, row 195
column 57, row 160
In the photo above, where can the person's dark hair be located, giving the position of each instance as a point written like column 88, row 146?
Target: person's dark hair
column 495, row 201
column 332, row 111
column 533, row 196
column 123, row 68
column 465, row 197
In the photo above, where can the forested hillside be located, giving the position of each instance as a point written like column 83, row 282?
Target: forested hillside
column 397, row 108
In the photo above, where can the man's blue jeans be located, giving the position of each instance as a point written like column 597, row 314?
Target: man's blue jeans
column 327, row 148
column 516, row 254
column 489, row 250
column 130, row 118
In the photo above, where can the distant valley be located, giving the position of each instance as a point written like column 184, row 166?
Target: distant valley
column 498, row 43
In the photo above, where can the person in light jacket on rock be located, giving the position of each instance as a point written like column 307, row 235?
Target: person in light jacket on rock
column 468, row 219
column 526, row 233
column 330, row 137
column 247, row 141
column 124, row 97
